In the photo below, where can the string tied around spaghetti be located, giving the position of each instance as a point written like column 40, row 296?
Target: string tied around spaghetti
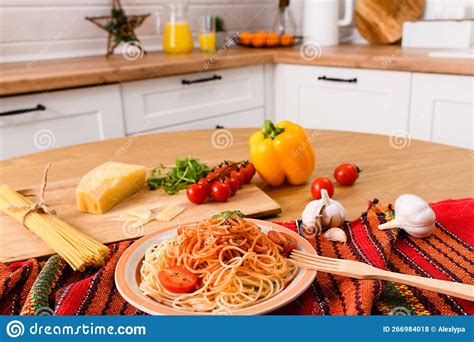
column 40, row 206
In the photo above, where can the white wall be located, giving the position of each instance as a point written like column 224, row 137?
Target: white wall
column 34, row 29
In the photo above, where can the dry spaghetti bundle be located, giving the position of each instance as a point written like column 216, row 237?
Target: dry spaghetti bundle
column 237, row 266
column 76, row 248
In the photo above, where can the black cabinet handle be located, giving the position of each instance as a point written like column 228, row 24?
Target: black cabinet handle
column 219, row 127
column 21, row 111
column 201, row 80
column 334, row 79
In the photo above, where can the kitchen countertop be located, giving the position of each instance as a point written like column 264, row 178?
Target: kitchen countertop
column 38, row 76
column 433, row 171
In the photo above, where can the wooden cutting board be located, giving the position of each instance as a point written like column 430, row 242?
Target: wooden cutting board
column 381, row 21
column 18, row 243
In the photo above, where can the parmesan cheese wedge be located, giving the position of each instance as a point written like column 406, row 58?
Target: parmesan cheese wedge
column 107, row 185
column 169, row 213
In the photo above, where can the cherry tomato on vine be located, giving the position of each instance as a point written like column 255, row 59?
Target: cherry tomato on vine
column 206, row 185
column 239, row 175
column 319, row 184
column 232, row 165
column 220, row 191
column 346, row 174
column 196, row 193
column 233, row 183
column 236, row 176
column 218, row 169
column 248, row 171
column 211, row 176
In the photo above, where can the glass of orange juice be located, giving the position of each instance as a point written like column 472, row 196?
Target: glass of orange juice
column 207, row 33
column 177, row 36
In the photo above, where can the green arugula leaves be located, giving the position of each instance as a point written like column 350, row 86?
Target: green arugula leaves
column 186, row 171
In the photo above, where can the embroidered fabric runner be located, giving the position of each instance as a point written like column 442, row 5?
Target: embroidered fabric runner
column 51, row 287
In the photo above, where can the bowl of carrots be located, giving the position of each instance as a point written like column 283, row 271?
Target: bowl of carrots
column 266, row 39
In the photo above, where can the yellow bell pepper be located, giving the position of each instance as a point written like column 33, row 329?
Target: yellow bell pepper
column 282, row 151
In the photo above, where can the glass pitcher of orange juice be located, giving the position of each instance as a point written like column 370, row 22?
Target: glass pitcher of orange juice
column 177, row 32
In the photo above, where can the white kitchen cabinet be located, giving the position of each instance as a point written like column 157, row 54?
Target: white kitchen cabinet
column 170, row 101
column 245, row 119
column 69, row 117
column 344, row 99
column 442, row 109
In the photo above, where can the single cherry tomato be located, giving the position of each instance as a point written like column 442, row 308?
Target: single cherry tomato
column 322, row 183
column 232, row 165
column 178, row 279
column 196, row 193
column 234, row 174
column 248, row 171
column 218, row 169
column 346, row 174
column 211, row 176
column 238, row 175
column 287, row 242
column 233, row 183
column 220, row 191
column 206, row 185
column 241, row 177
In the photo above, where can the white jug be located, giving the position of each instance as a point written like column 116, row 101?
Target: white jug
column 321, row 20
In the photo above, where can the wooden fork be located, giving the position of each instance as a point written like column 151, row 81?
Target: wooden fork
column 360, row 270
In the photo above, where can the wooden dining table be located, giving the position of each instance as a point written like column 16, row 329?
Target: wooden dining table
column 391, row 165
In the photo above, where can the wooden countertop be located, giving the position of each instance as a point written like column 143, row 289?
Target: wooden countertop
column 434, row 172
column 38, row 76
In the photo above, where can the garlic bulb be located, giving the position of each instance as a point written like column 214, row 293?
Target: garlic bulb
column 323, row 213
column 335, row 234
column 413, row 215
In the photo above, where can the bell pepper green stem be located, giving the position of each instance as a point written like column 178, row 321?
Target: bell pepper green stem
column 270, row 131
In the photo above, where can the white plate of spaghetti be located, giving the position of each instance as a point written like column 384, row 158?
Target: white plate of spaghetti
column 225, row 265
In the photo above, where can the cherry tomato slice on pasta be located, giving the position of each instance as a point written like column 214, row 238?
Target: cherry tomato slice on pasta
column 178, row 279
column 287, row 242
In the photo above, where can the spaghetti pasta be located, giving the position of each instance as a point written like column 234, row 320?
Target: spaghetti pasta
column 236, row 264
column 76, row 248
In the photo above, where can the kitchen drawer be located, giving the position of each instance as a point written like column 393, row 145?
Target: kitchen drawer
column 442, row 109
column 344, row 99
column 70, row 117
column 249, row 118
column 169, row 101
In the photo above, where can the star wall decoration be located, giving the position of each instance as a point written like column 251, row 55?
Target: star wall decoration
column 121, row 27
